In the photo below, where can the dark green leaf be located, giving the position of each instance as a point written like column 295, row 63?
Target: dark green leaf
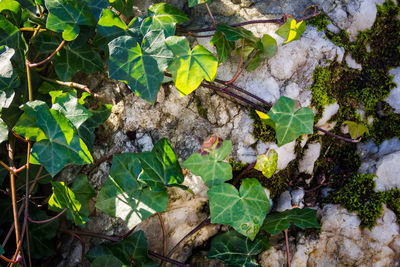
column 223, row 46
column 3, row 131
column 107, row 261
column 163, row 17
column 1, row 250
column 46, row 42
column 197, row 2
column 190, row 67
column 41, row 235
column 268, row 48
column 99, row 116
column 6, row 214
column 57, row 142
column 291, row 30
column 160, row 167
column 122, row 195
column 236, row 33
column 13, row 8
column 83, row 193
column 210, row 165
column 303, row 218
column 244, row 211
column 96, row 6
column 69, row 61
column 141, row 67
column 65, row 16
column 235, row 249
column 123, row 6
column 63, row 198
column 290, row 124
column 11, row 36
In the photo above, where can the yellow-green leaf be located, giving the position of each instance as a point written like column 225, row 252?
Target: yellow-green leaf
column 291, row 30
column 267, row 163
column 356, row 129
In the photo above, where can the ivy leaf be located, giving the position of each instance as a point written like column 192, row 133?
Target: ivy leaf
column 267, row 163
column 236, row 33
column 63, row 198
column 190, row 67
column 13, row 8
column 132, row 249
column 107, row 260
column 1, row 250
column 244, row 210
column 68, row 104
column 8, row 78
column 291, row 31
column 122, row 195
column 69, row 61
column 163, row 17
column 268, row 48
column 223, row 46
column 57, row 143
column 96, row 7
column 198, row 2
column 83, row 193
column 65, row 16
column 160, row 167
column 141, row 67
column 303, row 218
column 42, row 235
column 3, row 131
column 290, row 124
column 99, row 116
column 123, row 6
column 236, row 250
column 11, row 36
column 209, row 164
column 46, row 42
column 356, row 129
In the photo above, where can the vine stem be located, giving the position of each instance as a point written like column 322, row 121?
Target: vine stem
column 7, row 259
column 13, row 195
column 287, row 247
column 32, row 65
column 82, row 87
column 48, row 220
column 83, row 248
column 211, row 15
column 164, row 236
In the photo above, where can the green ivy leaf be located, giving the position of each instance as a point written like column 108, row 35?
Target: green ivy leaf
column 106, row 261
column 268, row 48
column 46, row 42
column 57, row 142
column 290, row 124
column 63, row 198
column 13, row 8
column 198, row 2
column 163, row 17
column 267, row 163
column 236, row 250
column 160, row 167
column 303, row 218
column 65, row 16
column 356, row 129
column 122, row 195
column 96, row 6
column 42, row 235
column 69, row 61
column 3, row 131
column 291, row 30
column 190, row 67
column 8, row 78
column 131, row 249
column 209, row 164
column 141, row 67
column 11, row 36
column 123, row 6
column 223, row 46
column 83, row 193
column 1, row 250
column 99, row 116
column 244, row 210
column 236, row 33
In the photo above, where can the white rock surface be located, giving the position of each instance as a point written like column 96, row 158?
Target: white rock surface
column 394, row 98
column 311, row 154
column 284, row 202
column 329, row 111
column 352, row 63
column 285, row 154
column 388, row 172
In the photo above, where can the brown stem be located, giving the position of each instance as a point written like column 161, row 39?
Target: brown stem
column 156, row 255
column 234, row 78
column 349, row 140
column 20, row 137
column 164, row 235
column 101, row 160
column 211, row 15
column 240, row 71
column 12, row 228
column 28, row 245
column 83, row 248
column 13, row 194
column 32, row 65
column 48, row 220
column 7, row 259
column 82, row 87
column 6, row 166
column 287, row 247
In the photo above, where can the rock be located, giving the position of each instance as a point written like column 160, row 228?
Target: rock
column 352, row 63
column 394, row 98
column 388, row 170
column 311, row 154
column 284, row 202
column 329, row 111
column 297, row 196
column 272, row 258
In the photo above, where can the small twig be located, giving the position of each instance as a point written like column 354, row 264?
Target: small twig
column 13, row 192
column 83, row 248
column 6, row 166
column 12, row 227
column 287, row 247
column 349, row 140
column 19, row 137
column 164, row 236
column 28, row 246
column 7, row 259
column 158, row 256
column 32, row 29
column 234, row 78
column 82, row 87
column 205, row 222
column 32, row 65
column 211, row 15
column 48, row 220
column 101, row 160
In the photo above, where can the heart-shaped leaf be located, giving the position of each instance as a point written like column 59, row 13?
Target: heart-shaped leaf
column 190, row 67
column 267, row 48
column 290, row 124
column 125, row 7
column 12, row 37
column 83, row 192
column 303, row 218
column 122, row 195
column 244, row 211
column 209, row 163
column 197, row 2
column 291, row 30
column 160, row 167
column 356, row 129
column 107, row 260
column 57, row 142
column 163, row 17
column 267, row 163
column 141, row 67
column 237, row 250
column 236, row 33
column 223, row 46
column 64, row 198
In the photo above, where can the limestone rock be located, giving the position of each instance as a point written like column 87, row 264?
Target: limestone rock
column 388, row 170
column 394, row 98
column 311, row 154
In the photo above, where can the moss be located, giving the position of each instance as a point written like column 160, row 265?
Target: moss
column 261, row 131
column 320, row 21
column 237, row 166
column 385, row 127
column 392, row 200
column 321, row 80
column 202, row 111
